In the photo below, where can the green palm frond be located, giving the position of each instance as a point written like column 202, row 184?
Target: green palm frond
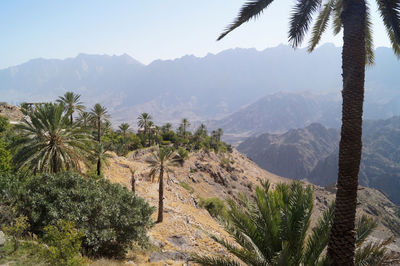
column 251, row 9
column 300, row 20
column 214, row 261
column 365, row 226
column 321, row 24
column 369, row 42
column 318, row 239
column 395, row 45
column 390, row 13
column 376, row 253
column 337, row 21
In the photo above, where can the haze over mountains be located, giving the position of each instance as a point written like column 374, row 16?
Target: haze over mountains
column 312, row 153
column 205, row 88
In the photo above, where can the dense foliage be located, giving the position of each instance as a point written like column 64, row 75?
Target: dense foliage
column 109, row 216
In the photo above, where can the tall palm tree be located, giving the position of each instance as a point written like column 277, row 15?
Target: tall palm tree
column 161, row 162
column 71, row 103
column 272, row 230
column 144, row 120
column 98, row 115
column 49, row 143
column 354, row 17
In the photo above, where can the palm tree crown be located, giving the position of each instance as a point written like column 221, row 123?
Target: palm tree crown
column 98, row 115
column 71, row 103
column 48, row 143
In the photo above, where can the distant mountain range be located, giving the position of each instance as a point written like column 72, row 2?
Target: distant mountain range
column 207, row 88
column 312, row 153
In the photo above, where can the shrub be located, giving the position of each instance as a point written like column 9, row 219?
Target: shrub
column 5, row 158
column 16, row 230
column 186, row 186
column 215, row 206
column 110, row 216
column 63, row 242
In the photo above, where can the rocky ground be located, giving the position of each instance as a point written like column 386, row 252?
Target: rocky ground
column 186, row 227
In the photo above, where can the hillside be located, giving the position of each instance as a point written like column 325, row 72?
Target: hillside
column 186, row 226
column 312, row 153
column 206, row 88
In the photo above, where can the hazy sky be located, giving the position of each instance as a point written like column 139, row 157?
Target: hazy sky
column 146, row 30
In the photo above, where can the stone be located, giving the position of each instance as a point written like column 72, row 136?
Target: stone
column 2, row 238
column 168, row 255
column 178, row 241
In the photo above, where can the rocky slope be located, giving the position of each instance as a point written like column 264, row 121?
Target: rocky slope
column 312, row 153
column 186, row 226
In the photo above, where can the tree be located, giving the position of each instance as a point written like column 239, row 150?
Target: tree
column 144, row 120
column 354, row 18
column 124, row 128
column 166, row 128
column 185, row 124
column 271, row 229
column 5, row 158
column 84, row 119
column 161, row 162
column 101, row 157
column 98, row 115
column 48, row 143
column 71, row 103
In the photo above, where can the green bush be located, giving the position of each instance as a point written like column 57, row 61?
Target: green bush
column 215, row 206
column 186, row 186
column 63, row 243
column 110, row 216
column 5, row 158
column 16, row 230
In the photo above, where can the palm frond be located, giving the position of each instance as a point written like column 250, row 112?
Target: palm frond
column 390, row 13
column 365, row 226
column 337, row 20
column 318, row 238
column 376, row 253
column 214, row 261
column 369, row 42
column 300, row 20
column 251, row 9
column 321, row 24
column 395, row 45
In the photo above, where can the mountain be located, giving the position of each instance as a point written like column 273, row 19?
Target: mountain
column 293, row 154
column 206, row 88
column 312, row 153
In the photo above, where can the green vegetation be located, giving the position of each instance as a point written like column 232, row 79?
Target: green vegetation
column 63, row 242
column 215, row 206
column 16, row 230
column 28, row 253
column 272, row 230
column 186, row 186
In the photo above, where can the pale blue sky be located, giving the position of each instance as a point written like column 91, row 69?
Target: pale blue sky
column 146, row 30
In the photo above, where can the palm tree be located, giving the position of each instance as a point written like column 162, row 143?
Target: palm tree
column 71, row 103
column 98, row 114
column 49, row 143
column 219, row 134
column 161, row 162
column 84, row 119
column 144, row 120
column 354, row 18
column 272, row 230
column 101, row 157
column 185, row 124
column 201, row 130
column 167, row 127
column 124, row 128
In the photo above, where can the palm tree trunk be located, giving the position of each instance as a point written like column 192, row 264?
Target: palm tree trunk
column 98, row 130
column 54, row 163
column 99, row 167
column 71, row 119
column 161, row 196
column 133, row 181
column 341, row 244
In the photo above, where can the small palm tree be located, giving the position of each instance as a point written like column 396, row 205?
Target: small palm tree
column 100, row 156
column 161, row 162
column 49, row 143
column 124, row 128
column 71, row 103
column 185, row 124
column 201, row 130
column 84, row 119
column 98, row 115
column 272, row 230
column 167, row 127
column 144, row 120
